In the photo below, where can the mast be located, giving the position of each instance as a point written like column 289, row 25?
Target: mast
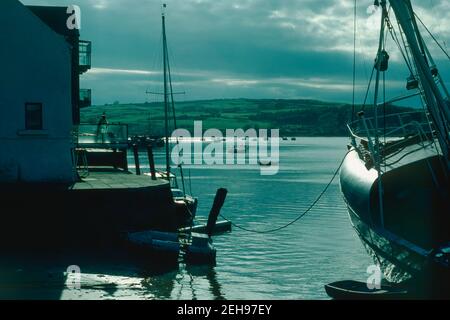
column 438, row 108
column 375, row 106
column 174, row 116
column 166, row 94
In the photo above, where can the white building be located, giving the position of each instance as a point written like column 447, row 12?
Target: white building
column 39, row 94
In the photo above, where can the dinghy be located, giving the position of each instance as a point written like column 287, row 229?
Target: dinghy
column 354, row 290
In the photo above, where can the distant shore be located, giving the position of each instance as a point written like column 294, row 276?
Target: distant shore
column 306, row 118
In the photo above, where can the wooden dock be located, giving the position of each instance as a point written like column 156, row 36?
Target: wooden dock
column 94, row 210
column 110, row 179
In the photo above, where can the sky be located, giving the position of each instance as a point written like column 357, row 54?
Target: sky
column 283, row 49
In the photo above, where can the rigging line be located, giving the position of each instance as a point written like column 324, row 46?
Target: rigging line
column 388, row 25
column 394, row 37
column 384, row 83
column 190, row 184
column 408, row 153
column 354, row 61
column 415, row 27
column 171, row 95
column 368, row 89
column 429, row 122
column 432, row 36
column 176, row 77
column 174, row 117
column 363, row 62
column 406, row 46
column 299, row 216
column 166, row 107
column 370, row 83
column 157, row 65
column 384, row 113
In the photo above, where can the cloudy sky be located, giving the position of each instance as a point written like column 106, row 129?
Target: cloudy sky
column 245, row 48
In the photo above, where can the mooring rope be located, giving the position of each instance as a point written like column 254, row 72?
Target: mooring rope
column 299, row 216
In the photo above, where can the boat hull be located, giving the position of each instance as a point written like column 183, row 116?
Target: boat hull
column 405, row 237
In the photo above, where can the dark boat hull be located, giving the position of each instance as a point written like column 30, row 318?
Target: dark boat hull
column 353, row 290
column 414, row 225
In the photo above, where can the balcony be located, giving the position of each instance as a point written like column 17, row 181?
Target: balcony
column 102, row 136
column 85, row 98
column 103, row 145
column 85, row 50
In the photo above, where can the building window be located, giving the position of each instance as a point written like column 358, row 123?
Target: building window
column 33, row 116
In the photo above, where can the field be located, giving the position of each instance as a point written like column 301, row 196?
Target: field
column 292, row 117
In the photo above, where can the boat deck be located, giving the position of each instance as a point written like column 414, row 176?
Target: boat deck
column 107, row 179
column 409, row 154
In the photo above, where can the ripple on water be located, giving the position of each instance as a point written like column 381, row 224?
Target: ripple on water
column 292, row 264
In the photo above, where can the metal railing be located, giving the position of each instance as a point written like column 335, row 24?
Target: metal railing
column 395, row 132
column 397, row 125
column 114, row 136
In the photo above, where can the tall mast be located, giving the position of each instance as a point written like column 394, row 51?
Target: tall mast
column 166, row 94
column 375, row 106
column 439, row 111
column 377, row 81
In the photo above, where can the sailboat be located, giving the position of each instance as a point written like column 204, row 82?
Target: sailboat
column 395, row 176
column 179, row 194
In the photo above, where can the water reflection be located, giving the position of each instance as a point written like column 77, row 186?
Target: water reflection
column 184, row 283
column 210, row 274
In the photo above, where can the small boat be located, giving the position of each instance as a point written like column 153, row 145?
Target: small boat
column 193, row 248
column 355, row 290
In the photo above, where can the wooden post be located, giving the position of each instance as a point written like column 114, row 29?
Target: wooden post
column 151, row 161
column 136, row 159
column 219, row 200
column 124, row 159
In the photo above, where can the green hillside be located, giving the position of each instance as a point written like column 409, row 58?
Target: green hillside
column 292, row 117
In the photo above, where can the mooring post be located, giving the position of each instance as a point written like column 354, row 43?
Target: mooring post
column 219, row 200
column 151, row 161
column 136, row 159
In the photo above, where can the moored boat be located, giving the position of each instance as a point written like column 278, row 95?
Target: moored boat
column 179, row 194
column 395, row 176
column 354, row 290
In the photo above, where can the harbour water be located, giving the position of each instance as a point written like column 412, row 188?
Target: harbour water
column 294, row 263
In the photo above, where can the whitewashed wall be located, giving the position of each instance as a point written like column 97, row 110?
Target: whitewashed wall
column 35, row 67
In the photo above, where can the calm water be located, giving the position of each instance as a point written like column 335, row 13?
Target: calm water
column 292, row 264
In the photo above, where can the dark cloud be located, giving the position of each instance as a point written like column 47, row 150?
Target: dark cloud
column 246, row 48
